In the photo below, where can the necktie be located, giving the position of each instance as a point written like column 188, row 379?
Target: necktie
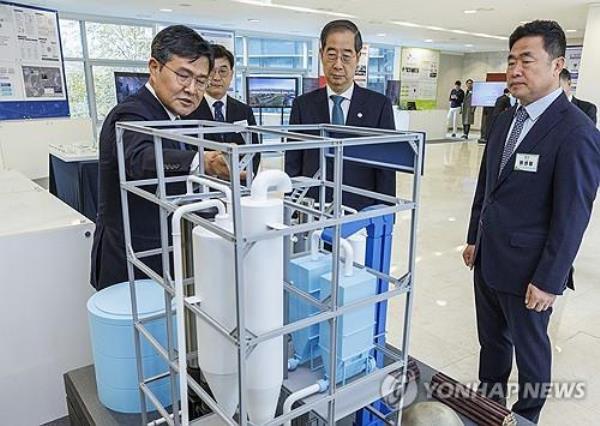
column 520, row 117
column 219, row 111
column 219, row 117
column 337, row 115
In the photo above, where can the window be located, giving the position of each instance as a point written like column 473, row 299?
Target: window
column 380, row 68
column 123, row 42
column 70, row 35
column 76, row 89
column 275, row 53
column 104, row 83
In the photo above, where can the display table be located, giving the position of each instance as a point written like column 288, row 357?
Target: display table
column 433, row 122
column 85, row 408
column 73, row 177
column 45, row 262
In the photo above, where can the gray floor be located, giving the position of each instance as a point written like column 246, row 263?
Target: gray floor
column 443, row 325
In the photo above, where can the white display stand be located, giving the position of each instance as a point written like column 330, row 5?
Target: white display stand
column 74, row 152
column 45, row 262
column 431, row 121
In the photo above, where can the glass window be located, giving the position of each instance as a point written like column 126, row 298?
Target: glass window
column 104, row 83
column 239, row 51
column 70, row 37
column 275, row 53
column 125, row 42
column 380, row 68
column 76, row 89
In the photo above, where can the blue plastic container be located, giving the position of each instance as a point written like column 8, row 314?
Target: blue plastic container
column 355, row 328
column 305, row 274
column 111, row 332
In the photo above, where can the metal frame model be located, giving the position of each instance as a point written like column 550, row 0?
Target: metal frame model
column 331, row 141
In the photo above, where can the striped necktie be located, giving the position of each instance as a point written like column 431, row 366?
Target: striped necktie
column 520, row 117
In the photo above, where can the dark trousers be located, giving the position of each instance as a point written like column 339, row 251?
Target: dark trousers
column 504, row 323
column 466, row 129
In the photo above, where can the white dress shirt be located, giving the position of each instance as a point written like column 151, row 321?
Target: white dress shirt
column 211, row 104
column 534, row 110
column 347, row 95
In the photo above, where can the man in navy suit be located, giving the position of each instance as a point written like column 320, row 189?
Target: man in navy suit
column 217, row 105
column 587, row 107
column 538, row 180
column 179, row 70
column 342, row 102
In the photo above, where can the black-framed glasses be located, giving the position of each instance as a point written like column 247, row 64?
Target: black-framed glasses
column 332, row 56
column 186, row 79
column 222, row 71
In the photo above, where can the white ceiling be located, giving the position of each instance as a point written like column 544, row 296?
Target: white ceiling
column 374, row 17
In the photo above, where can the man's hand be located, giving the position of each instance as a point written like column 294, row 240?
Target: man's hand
column 469, row 255
column 215, row 164
column 538, row 299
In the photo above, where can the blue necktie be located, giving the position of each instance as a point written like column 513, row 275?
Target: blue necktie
column 337, row 115
column 520, row 117
column 219, row 111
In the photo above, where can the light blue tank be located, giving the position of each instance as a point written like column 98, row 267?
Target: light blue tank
column 111, row 332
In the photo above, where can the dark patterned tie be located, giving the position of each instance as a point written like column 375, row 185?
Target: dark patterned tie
column 219, row 117
column 337, row 115
column 520, row 117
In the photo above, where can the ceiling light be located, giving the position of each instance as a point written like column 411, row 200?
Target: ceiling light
column 435, row 28
column 428, row 40
column 468, row 45
column 164, row 9
column 571, row 31
column 470, row 11
column 254, row 20
column 407, row 24
column 413, row 25
column 381, row 35
column 267, row 3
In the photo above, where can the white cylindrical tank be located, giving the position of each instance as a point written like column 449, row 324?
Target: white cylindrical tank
column 215, row 286
column 358, row 240
column 263, row 292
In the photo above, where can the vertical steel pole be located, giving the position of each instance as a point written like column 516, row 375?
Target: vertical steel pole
column 131, row 274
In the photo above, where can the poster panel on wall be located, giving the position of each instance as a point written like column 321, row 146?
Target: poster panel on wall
column 419, row 69
column 572, row 61
column 362, row 68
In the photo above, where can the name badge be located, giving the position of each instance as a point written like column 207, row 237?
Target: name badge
column 527, row 162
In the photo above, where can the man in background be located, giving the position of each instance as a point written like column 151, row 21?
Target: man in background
column 180, row 65
column 587, row 107
column 538, row 180
column 342, row 102
column 467, row 111
column 217, row 105
column 457, row 96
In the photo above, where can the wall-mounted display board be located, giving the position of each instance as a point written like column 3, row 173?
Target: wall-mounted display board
column 572, row 61
column 32, row 77
column 362, row 68
column 419, row 69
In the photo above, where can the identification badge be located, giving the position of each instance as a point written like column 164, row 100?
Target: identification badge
column 527, row 162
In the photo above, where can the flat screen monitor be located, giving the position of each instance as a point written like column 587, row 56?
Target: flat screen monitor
column 485, row 93
column 128, row 83
column 271, row 91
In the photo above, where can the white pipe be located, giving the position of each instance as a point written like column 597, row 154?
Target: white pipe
column 320, row 386
column 274, row 180
column 346, row 247
column 179, row 296
column 214, row 185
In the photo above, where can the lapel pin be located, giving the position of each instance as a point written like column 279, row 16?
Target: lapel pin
column 359, row 115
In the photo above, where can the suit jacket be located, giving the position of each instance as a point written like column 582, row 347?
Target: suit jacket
column 587, row 107
column 501, row 105
column 108, row 264
column 235, row 111
column 367, row 109
column 527, row 227
column 468, row 111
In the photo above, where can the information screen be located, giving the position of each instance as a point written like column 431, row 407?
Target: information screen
column 485, row 93
column 128, row 83
column 271, row 91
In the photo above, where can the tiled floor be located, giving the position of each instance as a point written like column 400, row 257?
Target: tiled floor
column 443, row 320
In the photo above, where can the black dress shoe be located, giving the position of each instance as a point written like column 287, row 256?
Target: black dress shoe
column 465, row 137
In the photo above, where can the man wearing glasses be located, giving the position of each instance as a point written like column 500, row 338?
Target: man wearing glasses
column 179, row 66
column 342, row 102
column 217, row 105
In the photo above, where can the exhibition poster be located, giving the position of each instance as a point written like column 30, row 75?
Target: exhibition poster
column 419, row 69
column 30, row 56
column 362, row 68
column 572, row 61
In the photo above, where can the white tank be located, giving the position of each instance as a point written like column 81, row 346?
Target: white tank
column 263, row 282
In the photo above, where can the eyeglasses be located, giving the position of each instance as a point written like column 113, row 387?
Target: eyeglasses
column 222, row 72
column 346, row 57
column 186, row 79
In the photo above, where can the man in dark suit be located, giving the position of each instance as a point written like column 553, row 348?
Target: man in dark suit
column 587, row 107
column 538, row 180
column 342, row 102
column 217, row 105
column 502, row 103
column 179, row 70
